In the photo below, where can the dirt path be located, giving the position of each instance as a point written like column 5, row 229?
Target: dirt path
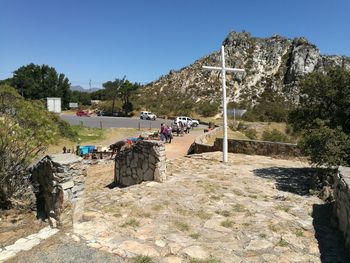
column 179, row 145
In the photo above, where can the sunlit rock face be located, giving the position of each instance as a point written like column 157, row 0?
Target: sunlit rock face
column 276, row 62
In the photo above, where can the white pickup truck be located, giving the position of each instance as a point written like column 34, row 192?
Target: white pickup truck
column 185, row 120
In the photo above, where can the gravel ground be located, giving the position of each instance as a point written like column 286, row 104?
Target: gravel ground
column 62, row 249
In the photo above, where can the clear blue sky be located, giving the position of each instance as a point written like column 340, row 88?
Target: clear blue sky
column 102, row 40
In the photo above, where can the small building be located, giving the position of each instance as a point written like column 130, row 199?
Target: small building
column 73, row 105
column 54, row 105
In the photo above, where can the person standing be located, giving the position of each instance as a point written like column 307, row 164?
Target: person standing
column 162, row 137
column 188, row 125
column 170, row 133
column 165, row 133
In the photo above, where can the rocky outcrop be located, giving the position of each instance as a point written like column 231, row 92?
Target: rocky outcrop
column 143, row 161
column 277, row 63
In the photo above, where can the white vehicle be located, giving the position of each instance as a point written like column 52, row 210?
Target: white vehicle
column 185, row 119
column 147, row 115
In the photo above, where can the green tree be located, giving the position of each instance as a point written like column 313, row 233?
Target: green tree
column 122, row 89
column 112, row 90
column 323, row 117
column 82, row 97
column 126, row 91
column 100, row 94
column 26, row 130
column 326, row 146
column 270, row 106
column 39, row 82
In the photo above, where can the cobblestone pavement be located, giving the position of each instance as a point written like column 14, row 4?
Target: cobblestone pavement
column 62, row 249
column 239, row 212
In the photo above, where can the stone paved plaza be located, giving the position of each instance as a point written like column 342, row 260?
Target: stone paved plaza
column 251, row 210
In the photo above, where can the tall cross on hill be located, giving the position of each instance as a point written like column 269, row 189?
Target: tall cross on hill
column 224, row 99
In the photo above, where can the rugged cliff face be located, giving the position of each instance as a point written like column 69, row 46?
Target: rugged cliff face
column 276, row 63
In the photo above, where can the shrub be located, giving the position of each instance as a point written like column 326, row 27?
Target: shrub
column 207, row 109
column 251, row 134
column 241, row 126
column 26, row 130
column 142, row 259
column 326, row 146
column 322, row 117
column 64, row 128
column 274, row 136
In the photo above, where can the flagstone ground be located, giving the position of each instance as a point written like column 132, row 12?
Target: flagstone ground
column 254, row 209
column 204, row 210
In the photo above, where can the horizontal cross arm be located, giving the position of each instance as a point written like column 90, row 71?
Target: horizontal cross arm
column 209, row 67
column 226, row 69
column 234, row 69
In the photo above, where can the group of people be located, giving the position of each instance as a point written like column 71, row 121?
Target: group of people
column 166, row 131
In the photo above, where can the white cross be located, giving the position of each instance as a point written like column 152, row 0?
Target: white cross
column 224, row 103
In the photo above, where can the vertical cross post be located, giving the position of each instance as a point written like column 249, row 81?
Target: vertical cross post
column 224, row 105
column 224, row 98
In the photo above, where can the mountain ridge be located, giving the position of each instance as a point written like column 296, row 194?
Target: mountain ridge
column 81, row 89
column 276, row 63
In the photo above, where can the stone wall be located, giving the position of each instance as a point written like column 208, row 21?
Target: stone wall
column 251, row 147
column 57, row 180
column 201, row 144
column 143, row 161
column 342, row 203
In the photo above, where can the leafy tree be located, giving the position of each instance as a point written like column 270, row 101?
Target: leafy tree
column 100, row 94
column 38, row 82
column 126, row 91
column 106, row 106
column 82, row 97
column 326, row 146
column 323, row 117
column 122, row 89
column 6, row 81
column 112, row 90
column 270, row 106
column 26, row 130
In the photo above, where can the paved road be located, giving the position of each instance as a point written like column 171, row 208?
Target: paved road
column 114, row 122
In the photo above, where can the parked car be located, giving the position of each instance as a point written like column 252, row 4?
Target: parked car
column 184, row 120
column 81, row 113
column 147, row 115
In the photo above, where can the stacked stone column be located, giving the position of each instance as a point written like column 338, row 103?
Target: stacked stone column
column 143, row 161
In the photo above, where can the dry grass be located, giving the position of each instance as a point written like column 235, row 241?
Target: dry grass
column 181, row 226
column 195, row 235
column 239, row 208
column 230, row 134
column 96, row 137
column 132, row 222
column 227, row 223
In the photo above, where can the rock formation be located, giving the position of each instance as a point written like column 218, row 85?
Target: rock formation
column 276, row 62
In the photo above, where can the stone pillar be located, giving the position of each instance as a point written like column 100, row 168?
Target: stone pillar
column 143, row 161
column 57, row 182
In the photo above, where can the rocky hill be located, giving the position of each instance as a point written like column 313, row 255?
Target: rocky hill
column 277, row 63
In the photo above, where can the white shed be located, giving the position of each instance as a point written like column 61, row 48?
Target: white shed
column 54, row 105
